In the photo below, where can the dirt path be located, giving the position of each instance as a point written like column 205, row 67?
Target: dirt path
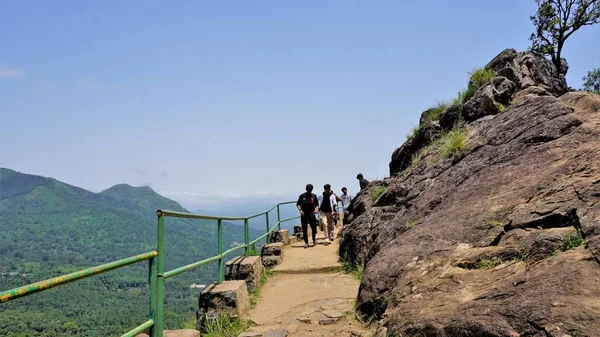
column 308, row 296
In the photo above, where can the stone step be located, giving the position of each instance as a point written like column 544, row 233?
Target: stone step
column 248, row 269
column 271, row 261
column 280, row 236
column 272, row 249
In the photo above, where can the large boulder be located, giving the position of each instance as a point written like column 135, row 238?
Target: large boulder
column 402, row 156
column 526, row 69
column 489, row 99
column 491, row 245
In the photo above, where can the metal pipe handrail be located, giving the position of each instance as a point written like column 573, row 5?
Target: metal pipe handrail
column 157, row 275
column 29, row 289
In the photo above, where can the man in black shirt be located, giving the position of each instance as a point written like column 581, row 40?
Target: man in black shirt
column 308, row 206
column 362, row 181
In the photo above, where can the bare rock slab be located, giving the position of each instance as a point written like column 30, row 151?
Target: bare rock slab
column 276, row 333
column 248, row 269
column 272, row 249
column 251, row 334
column 271, row 261
column 282, row 235
column 229, row 298
column 333, row 314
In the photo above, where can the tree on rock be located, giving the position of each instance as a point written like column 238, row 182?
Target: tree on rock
column 592, row 81
column 556, row 20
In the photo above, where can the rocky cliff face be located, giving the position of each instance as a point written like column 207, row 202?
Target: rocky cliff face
column 493, row 228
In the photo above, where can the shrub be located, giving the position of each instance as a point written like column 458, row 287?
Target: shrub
column 479, row 78
column 375, row 193
column 572, row 240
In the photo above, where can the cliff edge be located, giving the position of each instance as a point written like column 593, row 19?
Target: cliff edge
column 489, row 224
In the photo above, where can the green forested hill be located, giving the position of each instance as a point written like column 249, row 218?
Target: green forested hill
column 49, row 228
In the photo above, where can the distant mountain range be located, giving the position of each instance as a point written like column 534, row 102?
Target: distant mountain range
column 51, row 228
column 251, row 207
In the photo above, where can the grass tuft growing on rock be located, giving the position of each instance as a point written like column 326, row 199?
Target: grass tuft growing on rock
column 489, row 263
column 413, row 132
column 435, row 112
column 479, row 78
column 376, row 192
column 500, row 106
column 493, row 224
column 355, row 271
column 572, row 240
column 460, row 98
column 411, row 224
column 451, row 144
column 223, row 326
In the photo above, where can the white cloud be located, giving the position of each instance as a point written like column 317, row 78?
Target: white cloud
column 9, row 72
column 195, row 200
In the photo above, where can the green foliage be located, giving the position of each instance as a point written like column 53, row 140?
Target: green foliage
column 413, row 132
column 556, row 20
column 489, row 263
column 253, row 251
column 411, row 224
column 493, row 224
column 572, row 240
column 500, row 106
column 478, row 78
column 50, row 228
column 223, row 326
column 523, row 252
column 353, row 270
column 451, row 144
column 416, row 158
column 376, row 192
column 434, row 113
column 460, row 98
column 592, row 81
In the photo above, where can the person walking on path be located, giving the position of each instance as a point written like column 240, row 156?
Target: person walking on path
column 362, row 181
column 308, row 206
column 327, row 204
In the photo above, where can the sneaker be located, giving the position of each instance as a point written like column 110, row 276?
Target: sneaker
column 306, row 245
column 314, row 243
column 327, row 241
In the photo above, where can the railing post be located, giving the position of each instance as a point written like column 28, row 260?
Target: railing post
column 220, row 250
column 278, row 218
column 160, row 270
column 152, row 285
column 246, row 237
column 268, row 236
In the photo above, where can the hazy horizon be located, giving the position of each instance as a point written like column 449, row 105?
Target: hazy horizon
column 208, row 103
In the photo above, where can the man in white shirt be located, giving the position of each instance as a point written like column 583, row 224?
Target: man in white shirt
column 346, row 199
column 327, row 205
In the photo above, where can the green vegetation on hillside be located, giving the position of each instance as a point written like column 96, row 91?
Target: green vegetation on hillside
column 51, row 228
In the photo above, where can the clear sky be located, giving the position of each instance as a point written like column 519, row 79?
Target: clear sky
column 204, row 100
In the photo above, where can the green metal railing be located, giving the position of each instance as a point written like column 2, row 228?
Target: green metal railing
column 156, row 265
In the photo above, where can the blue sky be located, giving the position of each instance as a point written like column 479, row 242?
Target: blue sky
column 209, row 101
